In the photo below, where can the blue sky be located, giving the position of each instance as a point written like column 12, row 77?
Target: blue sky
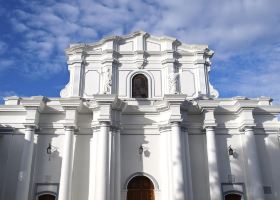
column 245, row 35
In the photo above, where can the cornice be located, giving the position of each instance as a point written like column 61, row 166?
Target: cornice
column 6, row 130
column 161, row 105
column 105, row 98
column 71, row 103
column 34, row 103
column 12, row 108
column 208, row 104
column 267, row 109
column 82, row 47
column 174, row 98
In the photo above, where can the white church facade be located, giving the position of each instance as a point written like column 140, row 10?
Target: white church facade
column 139, row 120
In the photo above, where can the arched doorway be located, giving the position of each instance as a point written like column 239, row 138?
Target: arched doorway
column 233, row 197
column 139, row 86
column 140, row 188
column 46, row 197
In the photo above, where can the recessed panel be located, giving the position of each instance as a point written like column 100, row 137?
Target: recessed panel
column 188, row 83
column 92, row 81
column 152, row 46
column 127, row 46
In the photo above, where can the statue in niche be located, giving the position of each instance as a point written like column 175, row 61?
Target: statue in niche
column 173, row 79
column 107, row 75
column 139, row 86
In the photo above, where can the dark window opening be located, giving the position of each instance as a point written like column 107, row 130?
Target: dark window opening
column 233, row 197
column 139, row 86
column 46, row 197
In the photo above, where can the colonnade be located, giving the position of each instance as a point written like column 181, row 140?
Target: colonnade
column 105, row 150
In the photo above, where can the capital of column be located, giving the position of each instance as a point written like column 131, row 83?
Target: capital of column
column 247, row 127
column 104, row 123
column 30, row 127
column 209, row 124
column 70, row 127
column 175, row 123
column 96, row 125
column 209, row 127
column 209, row 118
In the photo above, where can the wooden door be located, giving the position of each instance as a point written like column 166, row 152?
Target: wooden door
column 46, row 197
column 140, row 188
column 233, row 197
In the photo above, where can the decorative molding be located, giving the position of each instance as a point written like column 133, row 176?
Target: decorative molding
column 140, row 59
column 156, row 185
column 107, row 80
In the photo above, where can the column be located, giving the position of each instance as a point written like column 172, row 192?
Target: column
column 214, row 178
column 117, row 171
column 26, row 164
column 165, row 169
column 114, row 160
column 177, row 163
column 188, row 167
column 102, row 189
column 112, row 164
column 67, row 165
column 92, row 164
column 255, row 188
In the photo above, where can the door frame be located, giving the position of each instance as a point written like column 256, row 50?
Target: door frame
column 156, row 186
column 234, row 189
column 46, row 192
column 44, row 188
column 154, row 181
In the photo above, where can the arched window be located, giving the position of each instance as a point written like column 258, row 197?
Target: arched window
column 139, row 86
column 140, row 188
column 46, row 197
column 233, row 197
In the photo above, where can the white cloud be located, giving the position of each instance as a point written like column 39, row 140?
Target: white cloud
column 18, row 26
column 88, row 32
column 3, row 47
column 6, row 94
column 256, row 75
column 244, row 30
column 5, row 64
column 67, row 11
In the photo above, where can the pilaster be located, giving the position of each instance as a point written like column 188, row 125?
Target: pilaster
column 188, row 170
column 71, row 107
column 33, row 107
column 102, row 186
column 106, row 139
column 117, row 165
column 176, row 148
column 213, row 166
column 253, row 171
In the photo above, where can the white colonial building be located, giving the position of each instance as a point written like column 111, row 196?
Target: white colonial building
column 139, row 120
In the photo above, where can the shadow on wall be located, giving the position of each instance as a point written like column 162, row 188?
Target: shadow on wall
column 11, row 143
column 81, row 166
column 46, row 164
column 232, row 168
column 137, row 151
